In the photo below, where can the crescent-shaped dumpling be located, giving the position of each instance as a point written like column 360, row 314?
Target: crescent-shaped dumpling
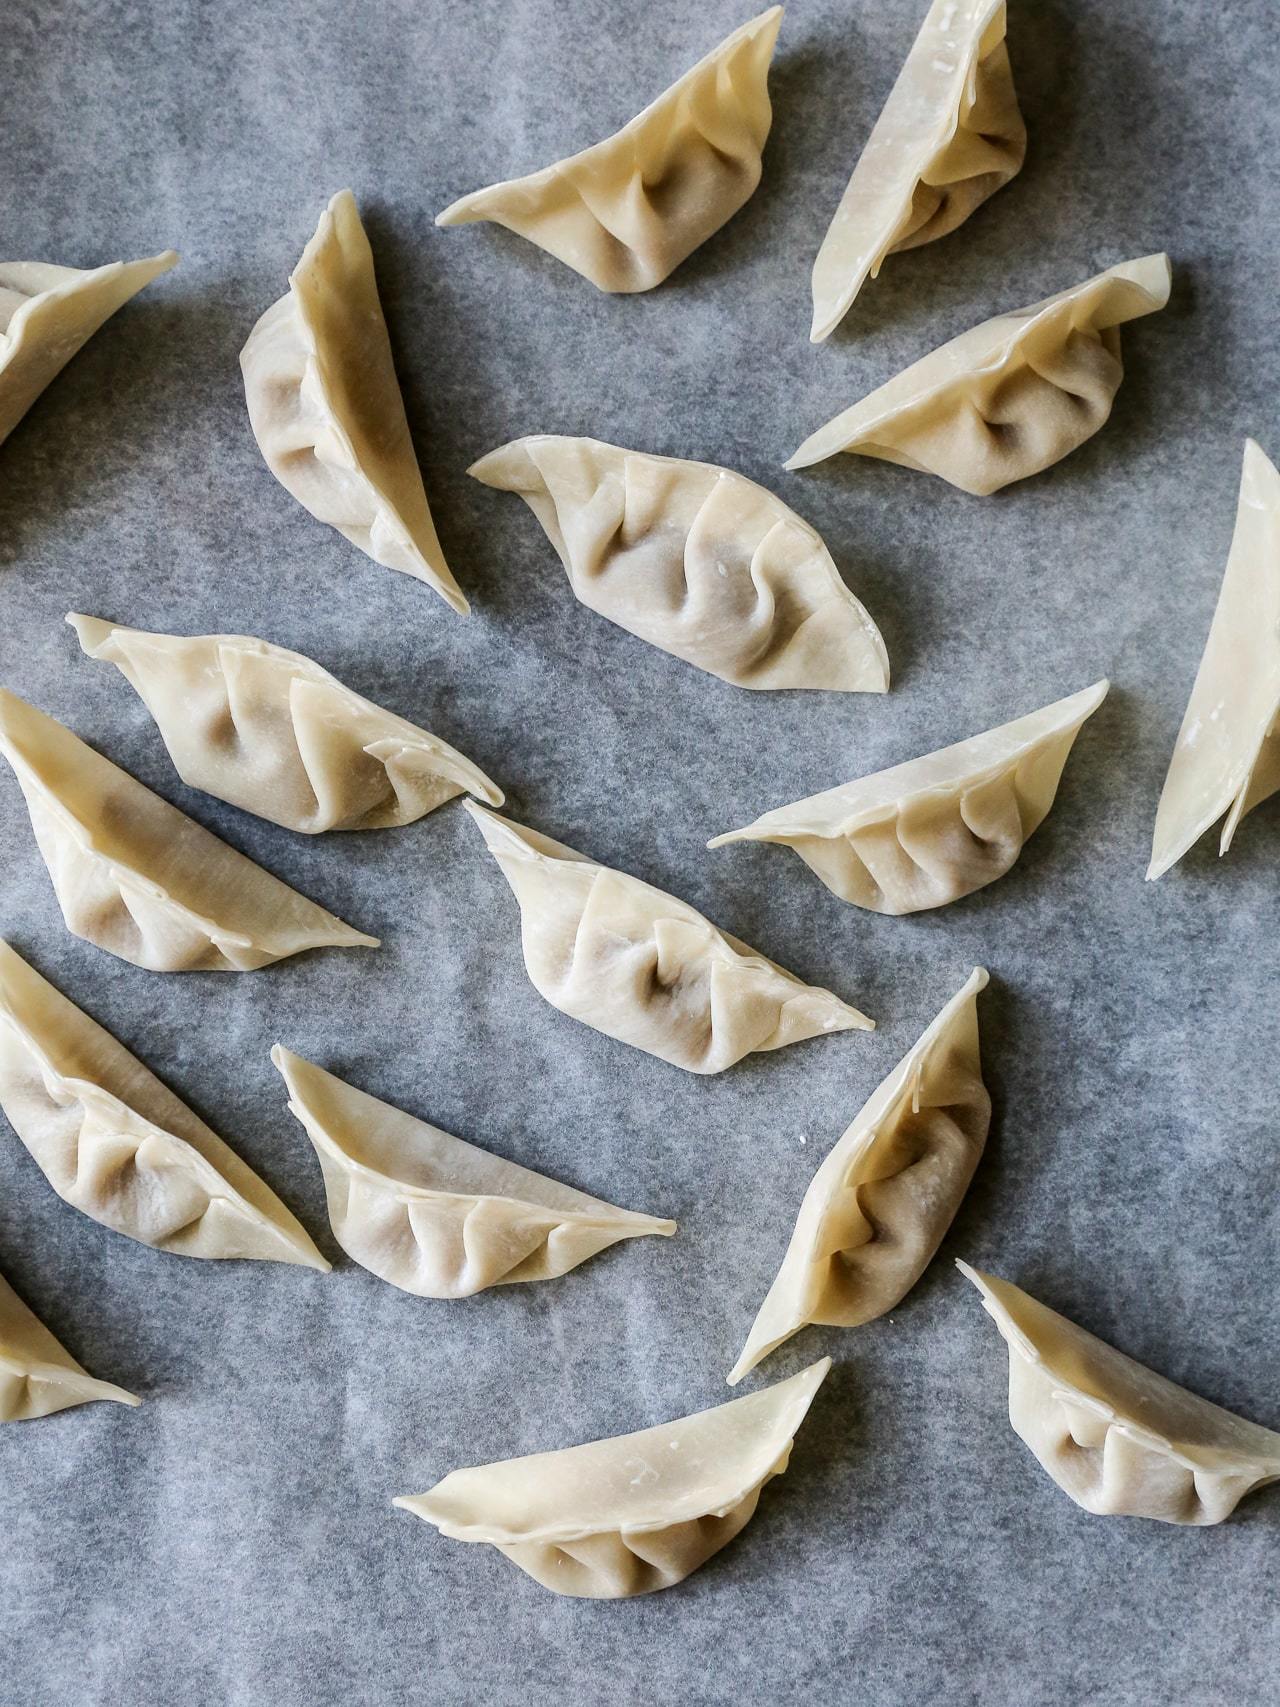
column 117, row 1144
column 928, row 832
column 1120, row 1439
column 950, row 136
column 641, row 966
column 698, row 561
column 272, row 732
column 326, row 410
column 1227, row 757
column 634, row 1513
column 47, row 313
column 139, row 878
column 627, row 211
column 436, row 1216
column 38, row 1375
column 1009, row 398
column 878, row 1207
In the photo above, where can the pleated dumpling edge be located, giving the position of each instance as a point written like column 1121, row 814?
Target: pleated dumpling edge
column 38, row 1375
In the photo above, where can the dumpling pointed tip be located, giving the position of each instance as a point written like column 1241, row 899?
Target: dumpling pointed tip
column 91, row 631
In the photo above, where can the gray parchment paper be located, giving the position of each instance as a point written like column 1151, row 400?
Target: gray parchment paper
column 232, row 1541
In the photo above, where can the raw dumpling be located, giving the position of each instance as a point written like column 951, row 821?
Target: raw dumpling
column 950, row 136
column 141, row 879
column 1011, row 397
column 926, row 833
column 117, row 1144
column 631, row 1514
column 638, row 965
column 696, row 560
column 626, row 212
column 1228, row 754
column 433, row 1215
column 38, row 1375
column 876, row 1210
column 1121, row 1440
column 326, row 409
column 270, row 731
column 48, row 313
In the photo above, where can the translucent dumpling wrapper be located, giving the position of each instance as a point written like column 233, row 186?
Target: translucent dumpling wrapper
column 627, row 211
column 698, row 561
column 635, row 1513
column 117, row 1144
column 38, row 1375
column 645, row 968
column 1011, row 397
column 928, row 832
column 1227, row 758
column 878, row 1207
column 1120, row 1439
column 326, row 409
column 272, row 732
column 950, row 136
column 436, row 1216
column 137, row 877
column 48, row 313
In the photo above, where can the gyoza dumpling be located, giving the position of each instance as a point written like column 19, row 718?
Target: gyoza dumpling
column 433, row 1215
column 141, row 879
column 117, row 1144
column 696, row 560
column 1120, row 1439
column 631, row 1514
column 926, row 833
column 1227, row 758
column 326, row 409
column 270, row 731
column 876, row 1210
column 1011, row 397
column 950, row 136
column 47, row 313
column 638, row 965
column 626, row 212
column 38, row 1375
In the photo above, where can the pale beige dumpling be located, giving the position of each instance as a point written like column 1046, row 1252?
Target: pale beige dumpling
column 627, row 211
column 645, row 968
column 1011, row 397
column 928, row 832
column 1120, row 1439
column 635, row 1513
column 878, row 1207
column 117, row 1144
column 272, row 732
column 697, row 560
column 38, row 1375
column 137, row 877
column 326, row 409
column 436, row 1216
column 950, row 135
column 48, row 313
column 1227, row 757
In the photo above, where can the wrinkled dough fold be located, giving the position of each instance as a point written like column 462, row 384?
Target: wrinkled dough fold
column 38, row 1375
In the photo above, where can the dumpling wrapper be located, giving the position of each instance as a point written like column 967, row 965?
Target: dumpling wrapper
column 928, row 832
column 641, row 966
column 697, row 560
column 1009, row 398
column 117, row 1144
column 326, row 409
column 38, row 1375
column 627, row 211
column 49, row 313
column 137, row 877
column 950, row 135
column 1227, row 757
column 878, row 1207
column 1120, row 1439
column 436, row 1216
column 272, row 732
column 635, row 1513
